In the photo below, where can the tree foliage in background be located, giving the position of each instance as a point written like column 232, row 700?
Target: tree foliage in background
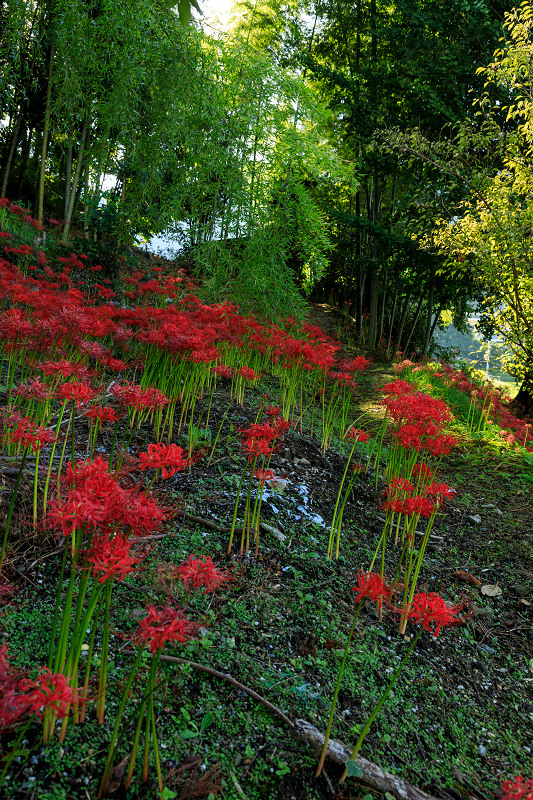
column 492, row 238
column 122, row 122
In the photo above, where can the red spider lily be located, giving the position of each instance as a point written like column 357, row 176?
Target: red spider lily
column 48, row 692
column 410, row 437
column 518, row 789
column 433, row 612
column 398, row 388
column 421, row 471
column 248, row 374
column 440, row 491
column 418, row 505
column 23, row 250
column 401, row 484
column 441, row 446
column 258, row 447
column 273, row 411
column 31, row 435
column 12, row 703
column 162, row 625
column 222, row 371
column 259, row 437
column 97, row 500
column 63, row 367
column 101, row 413
column 109, row 557
column 357, row 434
column 201, row 573
column 33, row 390
column 358, row 364
column 136, row 397
column 264, row 475
column 167, row 457
column 5, row 235
column 371, row 585
column 79, row 392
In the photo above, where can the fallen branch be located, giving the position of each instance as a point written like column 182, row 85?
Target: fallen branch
column 229, row 679
column 378, row 779
column 373, row 776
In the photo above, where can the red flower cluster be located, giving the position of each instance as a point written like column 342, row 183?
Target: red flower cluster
column 48, row 692
column 109, row 556
column 162, row 625
column 371, row 585
column 167, row 457
column 433, row 613
column 80, row 392
column 260, row 438
column 519, row 789
column 357, row 434
column 28, row 433
column 138, row 398
column 96, row 500
column 101, row 413
column 264, row 475
column 201, row 573
column 400, row 500
column 12, row 703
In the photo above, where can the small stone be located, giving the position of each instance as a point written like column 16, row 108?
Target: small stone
column 273, row 531
column 304, row 462
column 475, row 518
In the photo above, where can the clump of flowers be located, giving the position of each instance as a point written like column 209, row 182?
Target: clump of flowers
column 162, row 625
column 432, row 613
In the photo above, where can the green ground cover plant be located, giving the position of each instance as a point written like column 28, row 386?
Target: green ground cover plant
column 189, row 497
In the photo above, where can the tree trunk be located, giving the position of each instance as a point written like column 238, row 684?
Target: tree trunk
column 24, row 161
column 382, row 313
column 435, row 322
column 74, row 187
column 403, row 318
column 524, row 397
column 415, row 320
column 68, row 179
column 46, row 129
column 427, row 335
column 391, row 321
column 11, row 152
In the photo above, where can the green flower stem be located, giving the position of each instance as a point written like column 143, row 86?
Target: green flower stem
column 113, row 443
column 235, row 510
column 56, row 608
column 62, row 457
column 62, row 643
column 156, row 754
column 85, row 688
column 114, row 735
column 11, row 507
column 333, row 528
column 50, row 463
column 102, row 681
column 351, row 484
column 218, row 434
column 246, row 524
column 378, row 706
column 148, row 694
column 13, row 752
column 337, row 689
column 420, row 557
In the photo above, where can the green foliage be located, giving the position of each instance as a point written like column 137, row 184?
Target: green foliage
column 492, row 238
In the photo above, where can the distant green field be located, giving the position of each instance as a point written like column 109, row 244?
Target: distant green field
column 472, row 350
